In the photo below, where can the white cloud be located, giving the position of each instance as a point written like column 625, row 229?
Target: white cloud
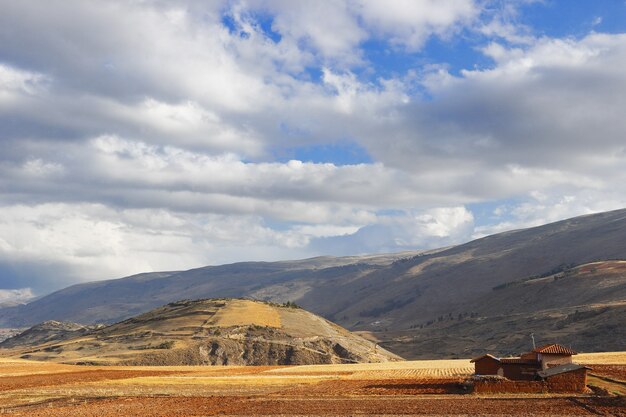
column 328, row 26
column 41, row 169
column 502, row 21
column 98, row 242
column 423, row 229
column 16, row 295
column 550, row 206
column 109, row 168
column 25, row 82
column 409, row 23
column 335, row 29
column 542, row 115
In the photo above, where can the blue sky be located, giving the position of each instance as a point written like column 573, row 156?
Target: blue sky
column 156, row 135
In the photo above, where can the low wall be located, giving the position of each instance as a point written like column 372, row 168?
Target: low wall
column 572, row 382
column 558, row 384
column 502, row 386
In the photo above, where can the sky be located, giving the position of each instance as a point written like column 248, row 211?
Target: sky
column 155, row 135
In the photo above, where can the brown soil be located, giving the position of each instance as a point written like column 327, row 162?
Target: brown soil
column 379, row 387
column 611, row 371
column 196, row 406
column 9, row 383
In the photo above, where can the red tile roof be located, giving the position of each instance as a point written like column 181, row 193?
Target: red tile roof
column 556, row 349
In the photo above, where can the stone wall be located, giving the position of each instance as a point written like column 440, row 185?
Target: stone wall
column 508, row 386
column 575, row 381
column 570, row 382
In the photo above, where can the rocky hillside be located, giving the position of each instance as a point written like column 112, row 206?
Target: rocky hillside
column 208, row 332
column 399, row 299
column 48, row 331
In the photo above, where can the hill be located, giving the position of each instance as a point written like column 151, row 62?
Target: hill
column 47, row 331
column 205, row 332
column 405, row 300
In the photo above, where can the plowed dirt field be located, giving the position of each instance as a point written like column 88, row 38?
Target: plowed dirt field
column 612, row 371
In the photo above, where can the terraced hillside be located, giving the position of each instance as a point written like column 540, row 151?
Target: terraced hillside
column 208, row 332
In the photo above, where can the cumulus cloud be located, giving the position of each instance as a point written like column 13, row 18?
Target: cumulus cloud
column 142, row 136
column 545, row 114
column 335, row 29
column 409, row 23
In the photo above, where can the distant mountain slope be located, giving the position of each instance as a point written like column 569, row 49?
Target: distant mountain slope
column 583, row 307
column 114, row 300
column 447, row 281
column 208, row 332
column 390, row 296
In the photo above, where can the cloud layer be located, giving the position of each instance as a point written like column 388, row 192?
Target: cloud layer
column 148, row 135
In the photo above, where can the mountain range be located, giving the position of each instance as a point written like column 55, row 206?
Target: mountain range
column 563, row 282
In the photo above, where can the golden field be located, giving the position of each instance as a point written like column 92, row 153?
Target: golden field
column 412, row 387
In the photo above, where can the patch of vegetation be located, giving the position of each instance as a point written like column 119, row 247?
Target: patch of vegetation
column 561, row 269
column 288, row 304
column 165, row 345
column 55, row 348
column 291, row 304
column 580, row 316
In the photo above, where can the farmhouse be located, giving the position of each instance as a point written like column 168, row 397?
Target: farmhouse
column 528, row 366
column 550, row 355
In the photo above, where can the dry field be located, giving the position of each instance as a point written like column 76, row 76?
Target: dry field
column 606, row 358
column 239, row 312
column 30, row 388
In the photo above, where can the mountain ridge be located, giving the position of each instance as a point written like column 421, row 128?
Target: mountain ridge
column 389, row 296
